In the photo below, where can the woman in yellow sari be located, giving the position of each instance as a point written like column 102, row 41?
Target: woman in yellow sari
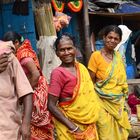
column 72, row 100
column 107, row 71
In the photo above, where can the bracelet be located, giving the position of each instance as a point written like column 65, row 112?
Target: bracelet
column 74, row 129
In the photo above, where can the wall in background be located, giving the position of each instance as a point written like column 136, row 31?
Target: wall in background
column 19, row 23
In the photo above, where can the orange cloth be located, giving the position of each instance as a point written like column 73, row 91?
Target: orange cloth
column 98, row 65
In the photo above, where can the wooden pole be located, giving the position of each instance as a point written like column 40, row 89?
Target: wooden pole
column 87, row 46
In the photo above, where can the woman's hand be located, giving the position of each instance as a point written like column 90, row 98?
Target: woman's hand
column 58, row 114
column 78, row 134
column 79, row 130
column 4, row 61
column 24, row 132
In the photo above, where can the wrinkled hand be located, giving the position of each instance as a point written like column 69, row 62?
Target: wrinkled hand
column 78, row 130
column 24, row 132
column 78, row 134
column 3, row 61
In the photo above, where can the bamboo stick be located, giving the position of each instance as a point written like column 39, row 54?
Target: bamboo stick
column 44, row 23
column 44, row 20
column 37, row 22
column 49, row 15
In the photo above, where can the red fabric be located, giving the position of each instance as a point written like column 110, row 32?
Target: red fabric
column 41, row 133
column 23, row 62
column 132, row 102
column 26, row 51
column 60, row 77
column 41, row 118
column 40, row 114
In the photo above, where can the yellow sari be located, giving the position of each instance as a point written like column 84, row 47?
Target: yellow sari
column 113, row 121
column 82, row 109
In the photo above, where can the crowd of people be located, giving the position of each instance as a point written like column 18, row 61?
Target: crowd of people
column 79, row 103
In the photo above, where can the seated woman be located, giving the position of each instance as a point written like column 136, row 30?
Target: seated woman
column 107, row 71
column 134, row 99
column 72, row 100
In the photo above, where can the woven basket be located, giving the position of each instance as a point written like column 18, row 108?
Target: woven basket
column 135, row 132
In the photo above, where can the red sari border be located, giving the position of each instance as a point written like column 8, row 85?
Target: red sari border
column 76, row 89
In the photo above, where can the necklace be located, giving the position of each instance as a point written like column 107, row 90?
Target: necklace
column 107, row 55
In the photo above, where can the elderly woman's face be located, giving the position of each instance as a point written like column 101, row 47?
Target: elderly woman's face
column 66, row 51
column 111, row 40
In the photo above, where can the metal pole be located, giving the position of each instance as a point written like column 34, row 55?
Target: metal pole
column 87, row 46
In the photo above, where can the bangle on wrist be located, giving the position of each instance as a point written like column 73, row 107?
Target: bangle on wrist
column 74, row 129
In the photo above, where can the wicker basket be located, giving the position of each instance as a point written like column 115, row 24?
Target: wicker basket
column 135, row 132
